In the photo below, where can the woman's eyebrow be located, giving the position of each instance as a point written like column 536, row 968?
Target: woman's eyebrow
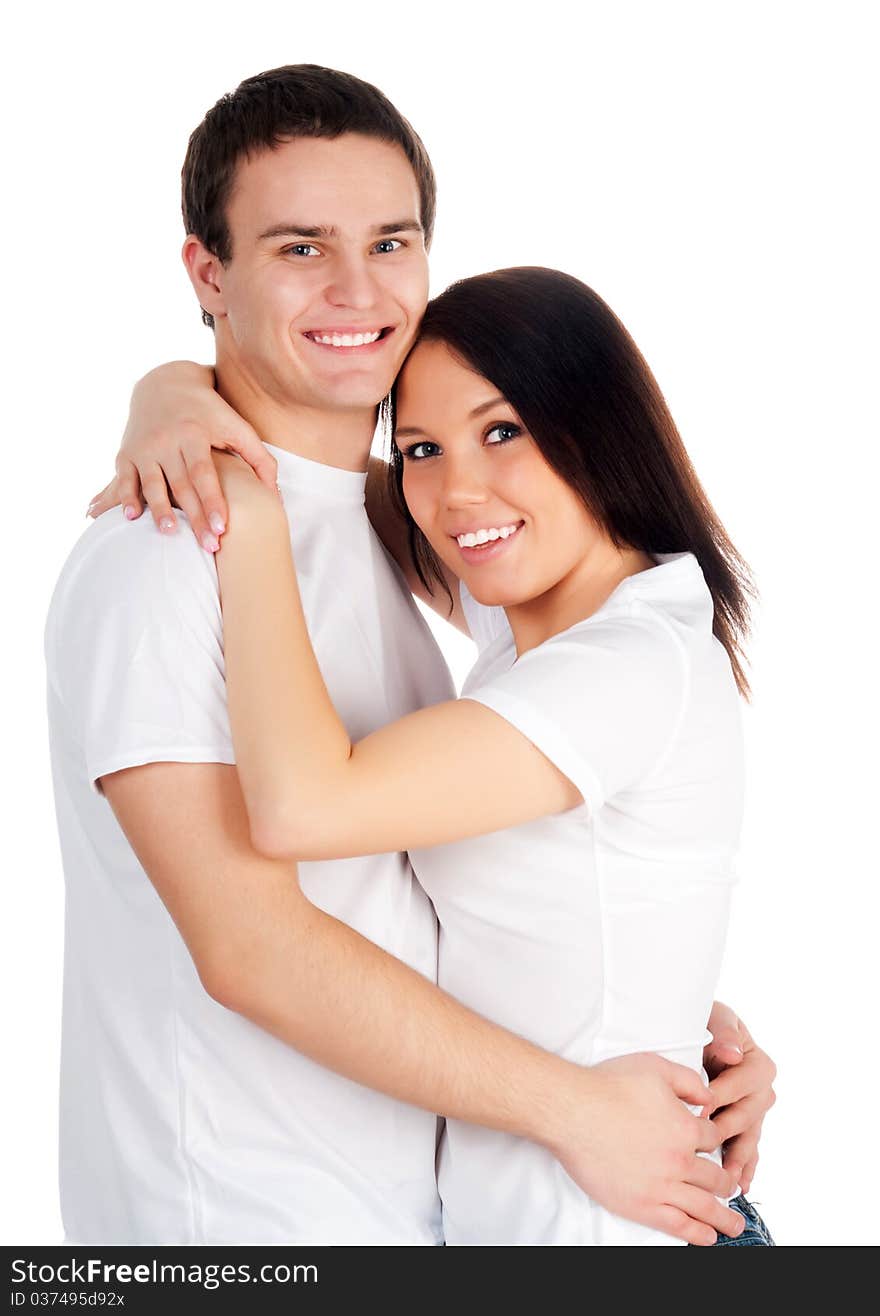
column 487, row 406
column 406, row 431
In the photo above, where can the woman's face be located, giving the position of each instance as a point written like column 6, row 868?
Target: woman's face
column 478, row 487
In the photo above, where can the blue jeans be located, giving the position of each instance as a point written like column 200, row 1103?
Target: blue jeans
column 755, row 1234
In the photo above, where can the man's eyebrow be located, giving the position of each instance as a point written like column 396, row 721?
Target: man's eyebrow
column 399, row 226
column 290, row 229
column 407, row 431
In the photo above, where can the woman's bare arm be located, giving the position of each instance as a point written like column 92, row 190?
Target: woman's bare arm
column 310, row 793
column 176, row 418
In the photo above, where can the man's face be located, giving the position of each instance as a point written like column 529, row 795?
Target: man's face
column 328, row 278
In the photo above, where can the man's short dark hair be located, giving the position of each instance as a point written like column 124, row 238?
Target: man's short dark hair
column 298, row 100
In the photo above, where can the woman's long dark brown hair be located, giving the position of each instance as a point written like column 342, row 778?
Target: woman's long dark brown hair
column 581, row 387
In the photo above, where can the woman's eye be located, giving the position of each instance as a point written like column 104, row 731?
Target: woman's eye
column 301, row 249
column 418, row 450
column 388, row 245
column 505, row 431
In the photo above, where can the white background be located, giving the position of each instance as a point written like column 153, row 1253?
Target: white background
column 708, row 168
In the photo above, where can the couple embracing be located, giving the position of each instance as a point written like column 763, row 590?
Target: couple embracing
column 349, row 960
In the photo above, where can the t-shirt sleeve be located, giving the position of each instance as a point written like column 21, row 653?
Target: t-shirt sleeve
column 602, row 701
column 484, row 623
column 135, row 652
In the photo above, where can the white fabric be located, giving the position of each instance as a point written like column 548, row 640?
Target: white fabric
column 600, row 931
column 182, row 1122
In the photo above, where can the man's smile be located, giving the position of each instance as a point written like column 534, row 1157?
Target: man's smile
column 349, row 338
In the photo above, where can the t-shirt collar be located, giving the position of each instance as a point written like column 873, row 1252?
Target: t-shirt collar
column 301, row 474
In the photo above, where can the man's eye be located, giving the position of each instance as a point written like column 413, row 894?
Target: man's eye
column 505, row 430
column 388, row 245
column 301, row 249
column 419, row 450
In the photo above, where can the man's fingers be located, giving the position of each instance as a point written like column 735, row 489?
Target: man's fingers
column 203, row 477
column 680, row 1225
column 711, row 1178
column 708, row 1138
column 706, row 1208
column 155, row 490
column 688, row 1085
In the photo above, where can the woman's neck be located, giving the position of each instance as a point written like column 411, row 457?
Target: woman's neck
column 577, row 596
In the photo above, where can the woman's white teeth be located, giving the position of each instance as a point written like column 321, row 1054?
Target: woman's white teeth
column 475, row 537
column 346, row 340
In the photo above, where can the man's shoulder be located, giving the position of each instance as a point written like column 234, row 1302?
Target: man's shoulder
column 124, row 576
column 122, row 556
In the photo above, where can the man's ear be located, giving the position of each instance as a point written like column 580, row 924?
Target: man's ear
column 205, row 272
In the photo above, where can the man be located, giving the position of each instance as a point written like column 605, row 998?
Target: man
column 209, row 992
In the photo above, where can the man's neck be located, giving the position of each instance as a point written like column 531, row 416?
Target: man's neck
column 334, row 438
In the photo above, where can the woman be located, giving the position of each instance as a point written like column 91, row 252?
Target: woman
column 574, row 815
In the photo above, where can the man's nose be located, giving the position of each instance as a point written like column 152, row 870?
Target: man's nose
column 352, row 285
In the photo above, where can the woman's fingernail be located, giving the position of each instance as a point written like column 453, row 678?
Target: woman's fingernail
column 166, row 525
column 91, row 508
column 130, row 512
column 216, row 522
column 210, row 544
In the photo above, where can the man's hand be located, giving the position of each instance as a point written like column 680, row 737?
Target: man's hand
column 638, row 1156
column 741, row 1085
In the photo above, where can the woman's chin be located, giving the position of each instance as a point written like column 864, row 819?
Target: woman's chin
column 492, row 597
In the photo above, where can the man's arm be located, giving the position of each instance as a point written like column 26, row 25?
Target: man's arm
column 262, row 949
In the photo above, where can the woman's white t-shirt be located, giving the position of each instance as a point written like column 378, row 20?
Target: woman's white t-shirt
column 597, row 932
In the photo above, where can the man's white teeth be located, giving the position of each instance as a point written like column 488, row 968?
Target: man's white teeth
column 475, row 537
column 346, row 340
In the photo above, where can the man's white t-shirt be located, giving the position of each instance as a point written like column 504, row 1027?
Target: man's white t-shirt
column 597, row 932
column 182, row 1122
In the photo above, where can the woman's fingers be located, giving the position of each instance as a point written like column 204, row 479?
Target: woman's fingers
column 203, row 477
column 184, row 495
column 128, row 488
column 748, row 1173
column 744, row 1115
column 155, row 491
column 103, row 501
column 241, row 438
column 124, row 488
column 755, row 1072
column 742, row 1151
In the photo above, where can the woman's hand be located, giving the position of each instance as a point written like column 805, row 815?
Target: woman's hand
column 175, row 420
column 742, row 1077
column 243, row 493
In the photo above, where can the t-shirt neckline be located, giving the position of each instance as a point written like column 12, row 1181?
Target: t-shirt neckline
column 301, row 473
